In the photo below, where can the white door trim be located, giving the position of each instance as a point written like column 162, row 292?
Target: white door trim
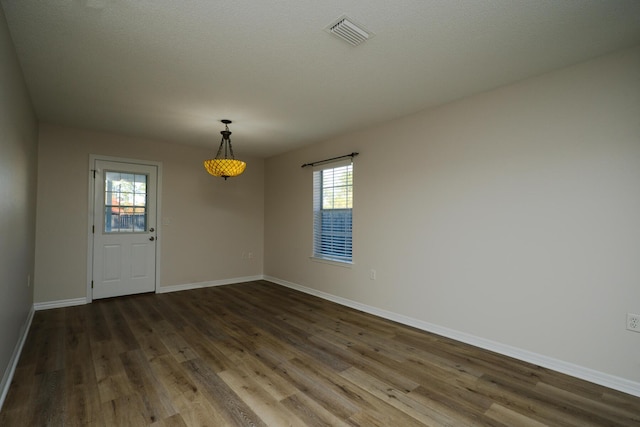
column 91, row 196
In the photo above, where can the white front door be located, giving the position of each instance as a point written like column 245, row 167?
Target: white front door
column 124, row 228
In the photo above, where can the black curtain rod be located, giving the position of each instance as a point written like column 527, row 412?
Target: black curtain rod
column 352, row 155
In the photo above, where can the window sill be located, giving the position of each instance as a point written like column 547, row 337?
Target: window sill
column 344, row 264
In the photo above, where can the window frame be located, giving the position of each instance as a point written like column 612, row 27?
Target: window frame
column 335, row 245
column 129, row 214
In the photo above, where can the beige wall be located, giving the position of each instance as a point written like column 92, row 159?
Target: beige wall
column 18, row 168
column 512, row 215
column 212, row 221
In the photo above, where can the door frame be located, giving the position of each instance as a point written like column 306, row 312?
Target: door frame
column 91, row 204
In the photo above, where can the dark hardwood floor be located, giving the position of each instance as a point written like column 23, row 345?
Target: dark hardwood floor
column 257, row 354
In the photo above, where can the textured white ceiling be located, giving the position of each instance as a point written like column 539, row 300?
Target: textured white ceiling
column 170, row 70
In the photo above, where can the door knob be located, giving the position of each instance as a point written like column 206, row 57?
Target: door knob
column 152, row 229
column 152, row 238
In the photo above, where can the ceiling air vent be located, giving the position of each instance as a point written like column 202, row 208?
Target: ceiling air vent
column 346, row 29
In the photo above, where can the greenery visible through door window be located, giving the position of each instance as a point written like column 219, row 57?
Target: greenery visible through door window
column 125, row 202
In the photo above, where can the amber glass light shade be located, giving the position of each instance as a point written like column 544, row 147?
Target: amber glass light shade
column 224, row 168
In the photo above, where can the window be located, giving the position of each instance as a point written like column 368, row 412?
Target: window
column 332, row 205
column 125, row 202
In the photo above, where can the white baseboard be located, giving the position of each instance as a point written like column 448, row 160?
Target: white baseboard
column 15, row 357
column 188, row 286
column 161, row 290
column 59, row 304
column 587, row 374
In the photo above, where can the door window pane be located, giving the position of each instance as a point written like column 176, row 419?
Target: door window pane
column 125, row 202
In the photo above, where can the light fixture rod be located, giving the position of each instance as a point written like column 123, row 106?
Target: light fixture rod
column 352, row 155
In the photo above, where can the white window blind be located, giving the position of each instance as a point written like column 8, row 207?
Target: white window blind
column 332, row 206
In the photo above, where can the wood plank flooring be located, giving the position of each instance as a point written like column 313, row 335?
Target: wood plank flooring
column 257, row 354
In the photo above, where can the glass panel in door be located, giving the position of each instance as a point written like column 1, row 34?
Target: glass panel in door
column 125, row 202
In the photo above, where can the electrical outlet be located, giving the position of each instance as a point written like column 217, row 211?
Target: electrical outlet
column 372, row 275
column 633, row 322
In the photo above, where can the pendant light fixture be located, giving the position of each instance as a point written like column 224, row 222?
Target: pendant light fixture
column 225, row 163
